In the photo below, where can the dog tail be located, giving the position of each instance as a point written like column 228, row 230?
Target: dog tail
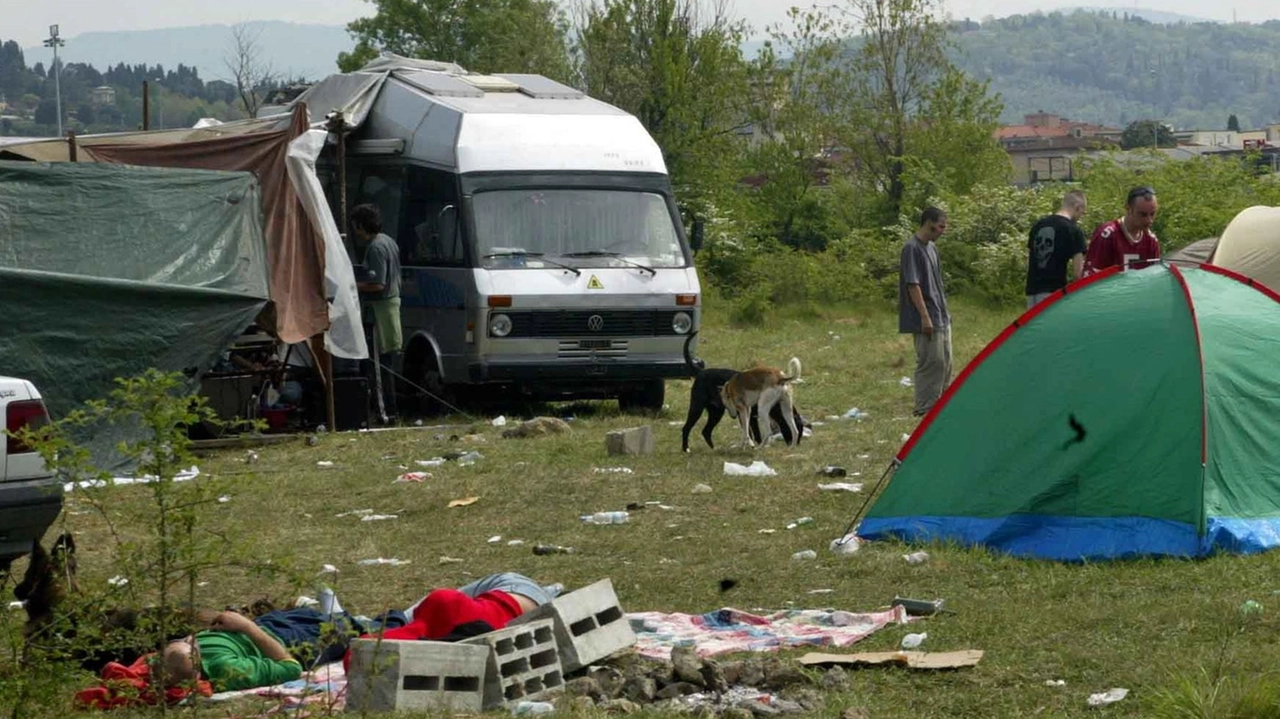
column 793, row 368
column 695, row 365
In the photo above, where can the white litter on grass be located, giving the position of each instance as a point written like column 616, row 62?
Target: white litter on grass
column 757, row 469
column 469, row 459
column 841, row 487
column 1055, row 683
column 846, row 545
column 1110, row 696
column 328, row 569
column 906, row 382
column 224, row 499
column 804, row 555
column 433, row 462
column 821, row 591
column 495, row 539
column 445, row 559
column 305, row 601
column 17, row 605
column 612, row 470
column 864, row 456
column 185, row 475
column 411, row 477
column 515, row 543
column 500, row 421
column 378, row 517
column 675, row 423
column 381, row 560
column 855, row 414
column 355, row 512
column 324, row 463
column 916, row 557
column 767, row 531
column 911, row 641
column 118, row 581
column 906, row 437
column 701, row 489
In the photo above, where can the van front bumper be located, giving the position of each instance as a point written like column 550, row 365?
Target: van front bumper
column 508, row 371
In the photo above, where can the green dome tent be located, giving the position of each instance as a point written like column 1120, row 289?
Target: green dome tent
column 1134, row 413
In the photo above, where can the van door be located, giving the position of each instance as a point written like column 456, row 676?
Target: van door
column 437, row 275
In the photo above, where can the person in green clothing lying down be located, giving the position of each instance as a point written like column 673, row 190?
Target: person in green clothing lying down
column 235, row 653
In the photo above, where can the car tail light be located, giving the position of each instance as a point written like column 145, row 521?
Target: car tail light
column 20, row 414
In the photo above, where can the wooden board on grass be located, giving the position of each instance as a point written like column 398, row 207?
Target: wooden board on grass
column 910, row 660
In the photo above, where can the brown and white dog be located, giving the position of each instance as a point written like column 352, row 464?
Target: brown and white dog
column 761, row 387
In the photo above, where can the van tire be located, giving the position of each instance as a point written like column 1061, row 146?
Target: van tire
column 426, row 372
column 646, row 397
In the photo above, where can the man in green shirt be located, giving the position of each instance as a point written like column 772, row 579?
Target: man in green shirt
column 234, row 654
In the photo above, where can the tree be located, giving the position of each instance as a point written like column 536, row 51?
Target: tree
column 678, row 67
column 1143, row 133
column 1233, row 123
column 250, row 73
column 900, row 56
column 486, row 36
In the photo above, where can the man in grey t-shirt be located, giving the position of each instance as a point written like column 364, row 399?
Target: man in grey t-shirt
column 380, row 291
column 922, row 309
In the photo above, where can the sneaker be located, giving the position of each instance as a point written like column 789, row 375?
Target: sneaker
column 554, row 590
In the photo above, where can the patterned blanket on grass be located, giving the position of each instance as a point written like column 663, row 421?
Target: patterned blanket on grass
column 733, row 630
column 323, row 688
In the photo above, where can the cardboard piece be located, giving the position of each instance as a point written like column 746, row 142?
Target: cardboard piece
column 910, row 660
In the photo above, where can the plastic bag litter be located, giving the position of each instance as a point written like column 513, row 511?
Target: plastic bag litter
column 412, row 477
column 469, row 458
column 378, row 517
column 804, row 555
column 328, row 569
column 1110, row 696
column 1055, row 682
column 324, row 463
column 841, row 487
column 846, row 545
column 381, row 560
column 500, row 421
column 495, row 539
column 916, row 557
column 906, row 382
column 433, row 462
column 701, row 489
column 911, row 641
column 855, row 414
column 612, row 470
column 757, row 469
column 355, row 512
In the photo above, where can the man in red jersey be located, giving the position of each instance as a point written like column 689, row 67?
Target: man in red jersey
column 1128, row 239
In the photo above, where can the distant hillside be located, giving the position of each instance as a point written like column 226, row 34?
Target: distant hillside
column 1157, row 16
column 294, row 50
column 1104, row 67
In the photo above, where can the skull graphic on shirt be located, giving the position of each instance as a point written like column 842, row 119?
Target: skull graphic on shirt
column 1043, row 247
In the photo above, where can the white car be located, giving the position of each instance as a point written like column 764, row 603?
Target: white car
column 30, row 495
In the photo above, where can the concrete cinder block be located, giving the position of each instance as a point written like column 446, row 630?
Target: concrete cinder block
column 523, row 662
column 416, row 675
column 635, row 440
column 589, row 624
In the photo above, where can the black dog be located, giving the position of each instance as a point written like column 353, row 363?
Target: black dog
column 705, row 397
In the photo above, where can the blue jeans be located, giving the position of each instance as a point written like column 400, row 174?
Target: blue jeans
column 301, row 631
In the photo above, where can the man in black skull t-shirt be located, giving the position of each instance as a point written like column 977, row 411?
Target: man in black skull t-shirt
column 1054, row 241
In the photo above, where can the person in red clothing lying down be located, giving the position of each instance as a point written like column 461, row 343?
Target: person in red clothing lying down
column 477, row 608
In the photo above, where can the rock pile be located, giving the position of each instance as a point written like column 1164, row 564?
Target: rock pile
column 758, row 686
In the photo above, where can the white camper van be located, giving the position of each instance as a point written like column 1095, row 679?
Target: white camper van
column 541, row 248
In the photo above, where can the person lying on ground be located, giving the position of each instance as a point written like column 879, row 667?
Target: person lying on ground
column 242, row 653
column 480, row 607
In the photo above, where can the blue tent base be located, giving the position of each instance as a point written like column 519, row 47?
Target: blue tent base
column 1072, row 539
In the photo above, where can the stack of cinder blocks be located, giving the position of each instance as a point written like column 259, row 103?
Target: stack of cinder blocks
column 589, row 624
column 525, row 661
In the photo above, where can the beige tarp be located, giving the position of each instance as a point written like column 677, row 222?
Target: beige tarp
column 1251, row 245
column 1200, row 251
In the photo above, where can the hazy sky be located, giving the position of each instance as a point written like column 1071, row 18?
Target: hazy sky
column 28, row 21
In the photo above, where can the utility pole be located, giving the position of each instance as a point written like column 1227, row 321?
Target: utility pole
column 55, row 42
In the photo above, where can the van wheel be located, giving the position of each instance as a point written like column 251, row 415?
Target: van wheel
column 438, row 396
column 645, row 397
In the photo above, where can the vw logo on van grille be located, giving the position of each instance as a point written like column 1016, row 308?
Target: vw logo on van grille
column 595, row 323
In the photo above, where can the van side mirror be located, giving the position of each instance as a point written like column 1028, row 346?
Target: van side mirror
column 699, row 234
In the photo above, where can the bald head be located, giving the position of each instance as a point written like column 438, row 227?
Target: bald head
column 1074, row 205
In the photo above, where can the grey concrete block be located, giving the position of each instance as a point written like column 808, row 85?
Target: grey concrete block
column 589, row 624
column 635, row 440
column 416, row 675
column 523, row 662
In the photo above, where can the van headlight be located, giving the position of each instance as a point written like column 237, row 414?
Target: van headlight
column 681, row 323
column 500, row 325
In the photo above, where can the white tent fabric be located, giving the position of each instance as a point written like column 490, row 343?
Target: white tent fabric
column 345, row 337
column 1251, row 245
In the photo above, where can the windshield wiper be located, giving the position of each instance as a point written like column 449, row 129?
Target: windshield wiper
column 613, row 255
column 521, row 253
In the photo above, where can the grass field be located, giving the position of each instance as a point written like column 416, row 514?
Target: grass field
column 1141, row 625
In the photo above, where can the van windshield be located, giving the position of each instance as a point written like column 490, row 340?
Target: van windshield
column 583, row 228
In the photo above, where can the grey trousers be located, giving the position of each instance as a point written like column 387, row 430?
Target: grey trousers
column 933, row 367
column 1033, row 300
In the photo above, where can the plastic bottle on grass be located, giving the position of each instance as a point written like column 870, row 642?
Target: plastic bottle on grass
column 607, row 518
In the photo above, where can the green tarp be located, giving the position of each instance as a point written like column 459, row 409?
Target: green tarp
column 107, row 270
